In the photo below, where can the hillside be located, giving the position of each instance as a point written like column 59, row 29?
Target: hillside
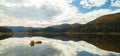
column 3, row 32
column 66, row 25
column 111, row 18
column 20, row 28
column 107, row 23
column 3, row 29
column 103, row 24
column 59, row 28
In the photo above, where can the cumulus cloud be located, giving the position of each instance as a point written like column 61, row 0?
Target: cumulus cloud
column 43, row 13
column 92, row 3
column 10, row 21
column 22, row 10
column 85, row 18
column 115, row 3
column 28, row 10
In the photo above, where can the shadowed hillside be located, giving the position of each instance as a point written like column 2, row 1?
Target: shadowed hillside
column 104, row 24
column 3, row 29
column 111, row 18
column 5, row 33
column 56, row 29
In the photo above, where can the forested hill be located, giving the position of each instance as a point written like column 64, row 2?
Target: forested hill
column 103, row 24
column 4, row 30
column 59, row 28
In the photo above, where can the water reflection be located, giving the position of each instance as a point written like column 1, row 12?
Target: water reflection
column 32, row 42
column 106, row 42
column 19, row 35
column 2, row 37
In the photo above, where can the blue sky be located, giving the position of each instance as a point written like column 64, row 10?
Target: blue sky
column 43, row 13
column 107, row 5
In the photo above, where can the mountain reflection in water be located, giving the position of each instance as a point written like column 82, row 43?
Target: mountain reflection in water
column 106, row 42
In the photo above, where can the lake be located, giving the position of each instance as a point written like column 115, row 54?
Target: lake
column 105, row 42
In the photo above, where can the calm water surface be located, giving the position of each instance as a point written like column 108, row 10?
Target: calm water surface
column 106, row 42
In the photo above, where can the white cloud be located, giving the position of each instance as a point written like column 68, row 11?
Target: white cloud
column 35, row 9
column 115, row 3
column 10, row 21
column 92, row 3
column 85, row 18
column 43, row 13
column 28, row 10
column 50, row 47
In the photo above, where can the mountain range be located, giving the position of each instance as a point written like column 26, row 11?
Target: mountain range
column 20, row 28
column 4, row 30
column 105, row 24
column 59, row 28
column 66, row 25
